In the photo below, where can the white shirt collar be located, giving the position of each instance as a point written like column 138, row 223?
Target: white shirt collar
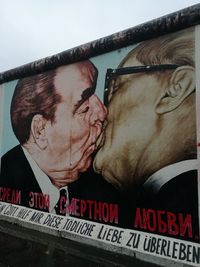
column 162, row 176
column 45, row 183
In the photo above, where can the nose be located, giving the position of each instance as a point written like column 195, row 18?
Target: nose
column 98, row 110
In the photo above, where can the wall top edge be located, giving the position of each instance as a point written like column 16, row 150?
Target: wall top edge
column 175, row 21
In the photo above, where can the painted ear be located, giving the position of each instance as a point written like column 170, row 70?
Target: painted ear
column 181, row 85
column 38, row 131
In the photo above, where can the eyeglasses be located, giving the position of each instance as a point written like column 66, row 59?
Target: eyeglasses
column 113, row 73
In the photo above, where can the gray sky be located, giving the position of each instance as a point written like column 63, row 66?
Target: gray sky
column 34, row 29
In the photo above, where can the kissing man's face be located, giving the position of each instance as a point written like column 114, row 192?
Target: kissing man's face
column 78, row 122
column 130, row 127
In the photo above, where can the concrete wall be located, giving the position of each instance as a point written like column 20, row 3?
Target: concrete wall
column 100, row 143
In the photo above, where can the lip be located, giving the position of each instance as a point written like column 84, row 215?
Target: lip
column 90, row 150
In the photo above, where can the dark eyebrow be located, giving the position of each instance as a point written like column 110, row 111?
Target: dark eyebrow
column 86, row 94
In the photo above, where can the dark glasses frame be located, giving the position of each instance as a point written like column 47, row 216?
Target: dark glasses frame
column 111, row 73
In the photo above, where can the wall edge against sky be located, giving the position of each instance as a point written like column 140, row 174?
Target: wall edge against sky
column 166, row 24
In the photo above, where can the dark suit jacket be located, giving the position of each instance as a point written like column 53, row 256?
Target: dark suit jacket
column 17, row 174
column 179, row 195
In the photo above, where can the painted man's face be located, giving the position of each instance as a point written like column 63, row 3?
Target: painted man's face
column 130, row 128
column 78, row 121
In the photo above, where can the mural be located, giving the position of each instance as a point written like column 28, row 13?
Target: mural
column 148, row 146
column 121, row 152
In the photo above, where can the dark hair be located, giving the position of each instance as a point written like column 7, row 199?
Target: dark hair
column 33, row 95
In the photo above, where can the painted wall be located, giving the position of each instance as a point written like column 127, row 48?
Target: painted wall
column 116, row 148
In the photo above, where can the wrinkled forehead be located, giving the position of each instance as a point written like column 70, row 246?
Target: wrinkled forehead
column 74, row 79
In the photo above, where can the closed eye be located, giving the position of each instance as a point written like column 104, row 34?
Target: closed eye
column 85, row 110
column 82, row 110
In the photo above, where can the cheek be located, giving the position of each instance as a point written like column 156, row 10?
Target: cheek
column 118, row 137
column 79, row 129
column 121, row 137
column 58, row 136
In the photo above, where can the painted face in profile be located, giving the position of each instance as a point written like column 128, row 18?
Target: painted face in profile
column 78, row 121
column 122, row 156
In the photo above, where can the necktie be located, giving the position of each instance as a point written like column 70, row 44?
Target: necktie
column 60, row 207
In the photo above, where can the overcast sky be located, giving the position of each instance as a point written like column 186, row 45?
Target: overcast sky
column 34, row 29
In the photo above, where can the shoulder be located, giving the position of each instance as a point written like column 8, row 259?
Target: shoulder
column 178, row 193
column 184, row 182
column 13, row 153
column 181, row 190
column 13, row 166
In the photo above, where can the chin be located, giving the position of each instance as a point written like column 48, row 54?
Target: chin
column 83, row 165
column 87, row 164
column 105, row 170
column 117, row 171
column 73, row 179
column 112, row 180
